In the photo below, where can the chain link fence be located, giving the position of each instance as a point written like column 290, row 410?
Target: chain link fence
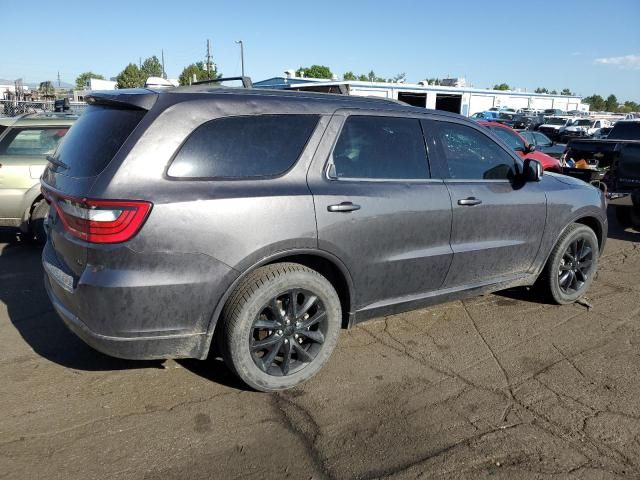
column 12, row 108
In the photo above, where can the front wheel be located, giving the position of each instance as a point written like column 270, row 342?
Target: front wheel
column 280, row 326
column 572, row 264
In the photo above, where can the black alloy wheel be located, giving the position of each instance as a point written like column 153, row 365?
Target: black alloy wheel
column 288, row 332
column 575, row 266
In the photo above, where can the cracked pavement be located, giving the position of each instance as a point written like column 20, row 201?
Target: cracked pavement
column 501, row 385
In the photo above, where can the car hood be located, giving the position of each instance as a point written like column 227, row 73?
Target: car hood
column 569, row 180
column 547, row 162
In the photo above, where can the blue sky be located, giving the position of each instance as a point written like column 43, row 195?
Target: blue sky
column 587, row 46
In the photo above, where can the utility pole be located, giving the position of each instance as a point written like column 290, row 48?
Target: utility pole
column 164, row 74
column 58, row 79
column 241, row 54
column 209, row 63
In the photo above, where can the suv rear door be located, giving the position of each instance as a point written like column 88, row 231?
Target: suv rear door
column 377, row 207
column 498, row 222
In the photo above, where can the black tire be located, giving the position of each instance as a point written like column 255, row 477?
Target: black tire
column 256, row 314
column 36, row 221
column 623, row 216
column 554, row 282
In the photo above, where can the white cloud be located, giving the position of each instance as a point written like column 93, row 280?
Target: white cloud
column 626, row 61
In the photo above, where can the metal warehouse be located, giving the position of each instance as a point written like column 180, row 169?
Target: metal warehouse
column 456, row 98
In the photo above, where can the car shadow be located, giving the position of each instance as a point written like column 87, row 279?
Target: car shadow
column 215, row 370
column 29, row 310
column 618, row 233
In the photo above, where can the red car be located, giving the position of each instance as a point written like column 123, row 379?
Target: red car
column 521, row 146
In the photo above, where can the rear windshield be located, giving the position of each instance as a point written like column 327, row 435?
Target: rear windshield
column 625, row 131
column 95, row 138
column 243, row 147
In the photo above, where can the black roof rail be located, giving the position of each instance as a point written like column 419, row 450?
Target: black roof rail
column 246, row 81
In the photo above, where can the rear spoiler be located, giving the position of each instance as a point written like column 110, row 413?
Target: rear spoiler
column 141, row 98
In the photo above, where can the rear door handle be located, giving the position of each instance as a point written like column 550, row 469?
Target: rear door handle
column 471, row 201
column 343, row 207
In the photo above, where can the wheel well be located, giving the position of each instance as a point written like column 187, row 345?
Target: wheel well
column 331, row 272
column 594, row 225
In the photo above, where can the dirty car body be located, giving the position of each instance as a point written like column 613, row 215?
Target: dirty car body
column 386, row 243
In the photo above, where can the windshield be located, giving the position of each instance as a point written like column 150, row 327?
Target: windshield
column 556, row 121
column 582, row 123
column 510, row 138
column 506, row 116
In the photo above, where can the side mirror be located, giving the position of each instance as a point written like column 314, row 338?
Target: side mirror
column 532, row 170
column 530, row 148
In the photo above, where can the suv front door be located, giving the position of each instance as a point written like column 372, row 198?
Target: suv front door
column 378, row 209
column 498, row 221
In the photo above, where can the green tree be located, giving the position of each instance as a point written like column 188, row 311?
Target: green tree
column 363, row 78
column 315, row 71
column 611, row 103
column 81, row 81
column 399, row 78
column 596, row 102
column 554, row 92
column 152, row 67
column 47, row 89
column 541, row 90
column 502, row 86
column 566, row 91
column 199, row 70
column 349, row 76
column 131, row 77
column 629, row 107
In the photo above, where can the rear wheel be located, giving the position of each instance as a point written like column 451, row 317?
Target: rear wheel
column 36, row 221
column 280, row 326
column 572, row 264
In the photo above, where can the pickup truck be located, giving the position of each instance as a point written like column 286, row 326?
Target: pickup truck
column 619, row 154
column 553, row 127
column 584, row 127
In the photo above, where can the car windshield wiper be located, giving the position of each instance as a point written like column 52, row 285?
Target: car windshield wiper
column 56, row 162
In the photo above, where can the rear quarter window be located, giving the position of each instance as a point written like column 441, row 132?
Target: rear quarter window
column 243, row 147
column 32, row 141
column 95, row 138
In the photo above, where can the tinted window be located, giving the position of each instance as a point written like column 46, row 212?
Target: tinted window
column 241, row 147
column 542, row 139
column 625, row 131
column 95, row 138
column 510, row 138
column 528, row 136
column 382, row 148
column 471, row 154
column 32, row 141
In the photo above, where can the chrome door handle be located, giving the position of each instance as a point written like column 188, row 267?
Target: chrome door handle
column 471, row 201
column 343, row 207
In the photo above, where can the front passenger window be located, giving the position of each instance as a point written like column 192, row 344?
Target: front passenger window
column 472, row 155
column 389, row 148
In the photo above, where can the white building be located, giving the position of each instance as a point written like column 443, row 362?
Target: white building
column 457, row 99
column 91, row 85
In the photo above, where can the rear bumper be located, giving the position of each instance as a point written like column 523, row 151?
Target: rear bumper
column 132, row 348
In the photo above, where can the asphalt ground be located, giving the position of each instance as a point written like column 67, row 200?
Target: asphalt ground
column 502, row 386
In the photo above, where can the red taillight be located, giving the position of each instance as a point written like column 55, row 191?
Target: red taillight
column 99, row 221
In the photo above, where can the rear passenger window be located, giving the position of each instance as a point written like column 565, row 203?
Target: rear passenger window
column 32, row 141
column 381, row 148
column 472, row 155
column 243, row 147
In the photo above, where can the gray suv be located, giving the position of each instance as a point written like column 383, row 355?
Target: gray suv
column 261, row 222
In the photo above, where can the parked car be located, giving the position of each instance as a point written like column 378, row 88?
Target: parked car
column 619, row 155
column 519, row 121
column 25, row 143
column 266, row 220
column 523, row 148
column 549, row 112
column 583, row 127
column 543, row 143
column 553, row 127
column 488, row 115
